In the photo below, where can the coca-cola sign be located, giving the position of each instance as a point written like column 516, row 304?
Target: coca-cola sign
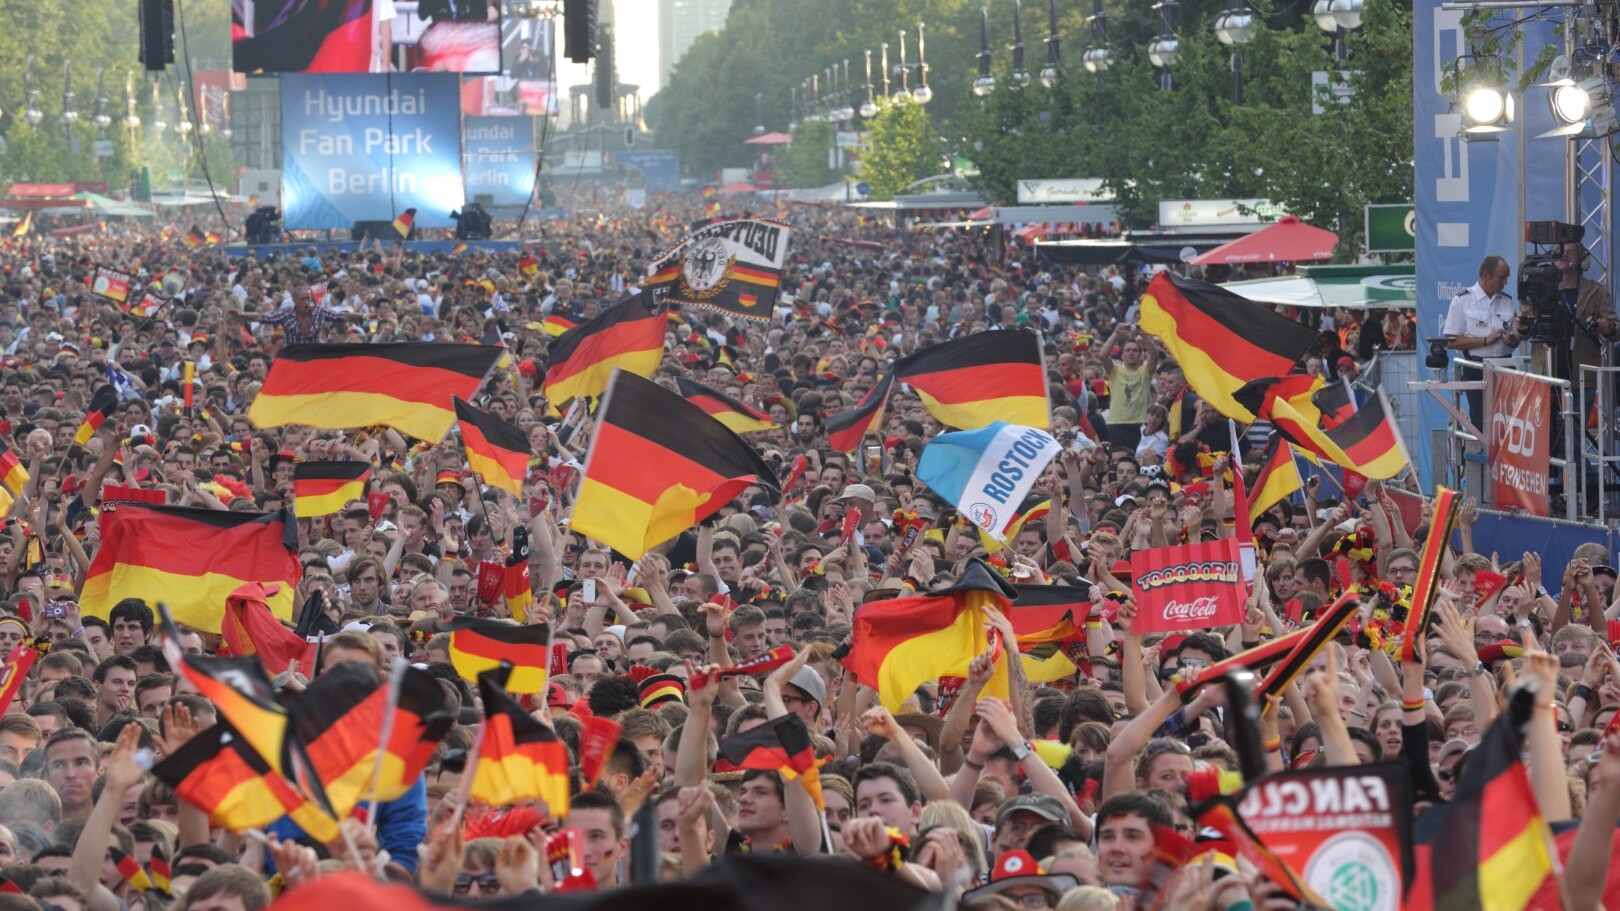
column 1192, row 586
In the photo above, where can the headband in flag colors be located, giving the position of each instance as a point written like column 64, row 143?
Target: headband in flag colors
column 657, row 466
column 323, row 488
column 478, row 646
column 736, row 416
column 628, row 335
column 190, row 559
column 1328, row 625
column 1442, row 522
column 406, row 386
column 101, row 407
column 219, row 773
column 847, row 429
column 518, row 757
column 12, row 473
column 971, row 382
column 1221, row 340
column 497, row 452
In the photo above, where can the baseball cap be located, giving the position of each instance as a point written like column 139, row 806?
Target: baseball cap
column 1042, row 805
column 857, row 492
column 809, row 680
column 1451, row 748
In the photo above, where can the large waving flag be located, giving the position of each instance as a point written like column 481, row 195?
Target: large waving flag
column 407, row 386
column 900, row 644
column 190, row 559
column 101, row 407
column 1277, row 479
column 1366, row 441
column 847, row 429
column 1220, row 340
column 518, row 758
column 737, row 416
column 497, row 452
column 322, row 488
column 478, row 646
column 219, row 773
column 658, row 465
column 628, row 335
column 987, row 473
column 970, row 382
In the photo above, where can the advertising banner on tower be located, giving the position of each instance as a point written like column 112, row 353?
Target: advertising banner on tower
column 366, row 148
column 500, row 159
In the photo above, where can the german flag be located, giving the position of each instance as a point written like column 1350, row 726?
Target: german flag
column 340, row 720
column 12, row 473
column 629, row 334
column 101, row 407
column 515, row 585
column 1038, row 610
column 900, row 644
column 1366, row 442
column 971, row 382
column 18, row 664
column 736, row 416
column 1442, row 522
column 1277, row 480
column 1221, row 340
column 21, row 228
column 780, row 745
column 220, row 774
column 403, row 223
column 847, row 429
column 1337, row 402
column 1329, row 623
column 1371, row 441
column 1257, row 660
column 130, row 869
column 518, row 758
column 250, row 630
column 700, row 466
column 497, row 452
column 191, row 559
column 407, row 386
column 213, row 237
column 188, row 385
column 558, row 324
column 529, row 266
column 1036, row 514
column 194, row 237
column 477, row 646
column 158, row 867
column 1489, row 847
column 322, row 488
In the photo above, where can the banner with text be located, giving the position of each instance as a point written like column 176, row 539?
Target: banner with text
column 1520, row 444
column 1191, row 586
column 500, row 159
column 366, row 148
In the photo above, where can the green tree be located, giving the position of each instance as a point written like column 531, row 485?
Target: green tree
column 806, row 159
column 902, row 148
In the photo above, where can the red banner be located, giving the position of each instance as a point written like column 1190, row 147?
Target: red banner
column 1520, row 442
column 1193, row 586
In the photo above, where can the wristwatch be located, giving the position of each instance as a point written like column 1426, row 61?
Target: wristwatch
column 1479, row 668
column 1022, row 750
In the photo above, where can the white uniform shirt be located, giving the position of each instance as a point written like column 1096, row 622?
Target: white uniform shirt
column 1473, row 314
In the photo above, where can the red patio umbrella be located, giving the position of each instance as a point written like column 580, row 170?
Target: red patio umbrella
column 1289, row 240
column 769, row 139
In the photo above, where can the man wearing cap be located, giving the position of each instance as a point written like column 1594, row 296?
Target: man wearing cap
column 1021, row 816
column 804, row 695
column 1016, row 876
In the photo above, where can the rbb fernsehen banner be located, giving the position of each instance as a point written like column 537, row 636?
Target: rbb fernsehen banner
column 500, row 159
column 366, row 148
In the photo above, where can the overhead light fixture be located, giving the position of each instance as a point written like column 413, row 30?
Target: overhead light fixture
column 1162, row 51
column 1584, row 109
column 1234, row 27
column 985, row 83
column 1486, row 108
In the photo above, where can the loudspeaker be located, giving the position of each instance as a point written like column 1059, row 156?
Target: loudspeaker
column 157, row 33
column 579, row 30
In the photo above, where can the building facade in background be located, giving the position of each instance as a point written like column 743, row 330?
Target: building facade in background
column 680, row 22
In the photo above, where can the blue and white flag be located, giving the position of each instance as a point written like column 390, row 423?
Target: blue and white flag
column 987, row 473
column 122, row 383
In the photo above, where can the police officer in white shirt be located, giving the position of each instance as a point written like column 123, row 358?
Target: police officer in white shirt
column 1483, row 321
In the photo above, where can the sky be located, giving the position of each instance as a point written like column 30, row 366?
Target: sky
column 635, row 42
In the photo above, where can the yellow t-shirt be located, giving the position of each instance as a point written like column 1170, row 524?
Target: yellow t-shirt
column 1130, row 393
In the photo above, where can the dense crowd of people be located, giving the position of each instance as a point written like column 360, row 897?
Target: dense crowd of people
column 1051, row 798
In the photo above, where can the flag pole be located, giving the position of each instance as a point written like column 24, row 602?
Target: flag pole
column 396, row 682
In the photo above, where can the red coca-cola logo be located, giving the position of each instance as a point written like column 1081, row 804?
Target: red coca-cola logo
column 1197, row 609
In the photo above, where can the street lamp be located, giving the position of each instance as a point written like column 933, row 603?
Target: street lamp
column 869, row 109
column 1338, row 18
column 1097, row 57
column 759, row 113
column 985, row 83
column 158, row 123
column 1235, row 28
column 1162, row 49
column 69, row 115
column 845, row 113
column 31, row 112
column 1020, row 75
column 1050, row 73
column 132, row 120
column 884, row 64
column 903, row 93
column 102, row 120
column 793, row 108
column 922, row 94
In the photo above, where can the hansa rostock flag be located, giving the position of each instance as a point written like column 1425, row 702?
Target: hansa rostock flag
column 987, row 473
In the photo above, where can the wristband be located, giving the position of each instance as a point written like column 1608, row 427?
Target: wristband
column 1582, row 691
column 1415, row 705
column 895, row 857
column 1273, row 745
column 975, row 766
column 1249, row 645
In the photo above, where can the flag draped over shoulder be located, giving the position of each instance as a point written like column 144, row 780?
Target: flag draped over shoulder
column 657, row 465
column 1220, row 340
column 322, row 488
column 628, row 335
column 407, row 386
column 190, row 559
column 736, row 416
column 846, row 429
column 902, row 643
column 497, row 451
column 518, row 757
column 970, row 382
column 477, row 646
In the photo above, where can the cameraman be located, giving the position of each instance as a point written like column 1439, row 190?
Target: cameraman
column 1583, row 321
column 1481, row 321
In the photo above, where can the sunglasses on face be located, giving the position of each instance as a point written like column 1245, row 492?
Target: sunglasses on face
column 1446, row 775
column 486, row 883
